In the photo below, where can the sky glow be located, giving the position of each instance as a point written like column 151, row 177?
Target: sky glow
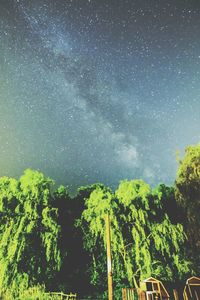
column 98, row 90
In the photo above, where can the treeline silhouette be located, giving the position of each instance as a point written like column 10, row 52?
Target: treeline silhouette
column 49, row 237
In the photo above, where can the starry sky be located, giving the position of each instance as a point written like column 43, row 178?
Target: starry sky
column 98, row 91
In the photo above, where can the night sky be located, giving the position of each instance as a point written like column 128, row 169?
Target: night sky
column 98, row 90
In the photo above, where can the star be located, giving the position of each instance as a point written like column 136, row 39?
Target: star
column 98, row 91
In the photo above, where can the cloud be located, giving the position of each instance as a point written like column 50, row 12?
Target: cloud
column 148, row 173
column 128, row 155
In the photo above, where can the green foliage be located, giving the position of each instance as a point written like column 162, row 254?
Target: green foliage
column 33, row 293
column 144, row 241
column 188, row 197
column 29, row 233
column 50, row 238
column 8, row 195
column 153, row 239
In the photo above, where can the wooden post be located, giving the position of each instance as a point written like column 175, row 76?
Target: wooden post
column 123, row 294
column 175, row 294
column 109, row 258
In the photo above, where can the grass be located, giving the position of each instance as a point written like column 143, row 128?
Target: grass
column 33, row 293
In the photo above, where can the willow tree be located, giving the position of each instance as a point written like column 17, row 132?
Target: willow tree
column 188, row 197
column 158, row 243
column 29, row 232
column 92, row 223
column 144, row 241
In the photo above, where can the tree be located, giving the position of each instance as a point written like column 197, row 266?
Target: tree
column 168, row 201
column 188, row 197
column 29, row 233
column 80, row 256
column 92, row 225
column 73, row 275
column 144, row 241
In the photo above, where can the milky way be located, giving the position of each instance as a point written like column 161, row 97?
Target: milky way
column 98, row 90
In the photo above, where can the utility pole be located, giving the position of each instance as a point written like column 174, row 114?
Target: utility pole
column 109, row 258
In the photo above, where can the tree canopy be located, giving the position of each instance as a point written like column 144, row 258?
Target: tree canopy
column 29, row 232
column 51, row 238
column 188, row 197
column 140, row 232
